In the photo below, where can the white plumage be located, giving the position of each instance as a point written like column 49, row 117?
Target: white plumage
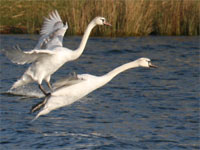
column 67, row 94
column 52, row 32
column 48, row 61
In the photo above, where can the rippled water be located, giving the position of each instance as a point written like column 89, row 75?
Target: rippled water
column 153, row 109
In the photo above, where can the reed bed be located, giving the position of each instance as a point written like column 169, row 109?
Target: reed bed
column 128, row 17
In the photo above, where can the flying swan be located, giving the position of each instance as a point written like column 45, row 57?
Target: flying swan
column 70, row 90
column 45, row 62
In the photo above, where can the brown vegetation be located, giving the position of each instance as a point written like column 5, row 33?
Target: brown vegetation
column 128, row 17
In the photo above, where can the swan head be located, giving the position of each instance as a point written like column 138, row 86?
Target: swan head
column 145, row 62
column 101, row 21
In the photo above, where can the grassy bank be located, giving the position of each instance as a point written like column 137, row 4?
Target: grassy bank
column 128, row 17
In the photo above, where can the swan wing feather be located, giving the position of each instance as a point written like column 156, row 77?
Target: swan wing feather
column 52, row 32
column 67, row 81
column 16, row 55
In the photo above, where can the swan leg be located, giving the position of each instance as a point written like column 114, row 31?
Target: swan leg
column 38, row 106
column 50, row 86
column 49, row 83
column 43, row 91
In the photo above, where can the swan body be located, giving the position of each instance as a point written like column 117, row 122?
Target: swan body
column 48, row 61
column 66, row 94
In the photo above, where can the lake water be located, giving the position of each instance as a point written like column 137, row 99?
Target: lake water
column 153, row 109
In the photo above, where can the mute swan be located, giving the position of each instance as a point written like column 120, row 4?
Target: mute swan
column 70, row 91
column 46, row 62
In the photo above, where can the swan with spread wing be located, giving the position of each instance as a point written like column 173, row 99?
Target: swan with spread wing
column 76, row 87
column 45, row 62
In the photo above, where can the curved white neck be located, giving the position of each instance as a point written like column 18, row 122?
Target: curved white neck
column 82, row 45
column 109, row 76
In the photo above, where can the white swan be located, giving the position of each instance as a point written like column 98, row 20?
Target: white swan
column 70, row 91
column 46, row 62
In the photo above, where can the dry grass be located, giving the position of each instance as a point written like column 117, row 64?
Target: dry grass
column 128, row 17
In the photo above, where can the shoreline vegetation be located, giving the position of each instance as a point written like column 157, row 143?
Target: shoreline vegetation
column 128, row 17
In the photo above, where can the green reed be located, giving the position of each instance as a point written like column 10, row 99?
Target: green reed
column 128, row 17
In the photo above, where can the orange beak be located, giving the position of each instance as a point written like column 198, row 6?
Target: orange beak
column 107, row 24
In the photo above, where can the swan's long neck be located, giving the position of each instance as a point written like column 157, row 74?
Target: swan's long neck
column 109, row 76
column 81, row 47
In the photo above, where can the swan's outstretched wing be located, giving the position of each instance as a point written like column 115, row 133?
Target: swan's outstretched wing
column 52, row 32
column 16, row 55
column 67, row 81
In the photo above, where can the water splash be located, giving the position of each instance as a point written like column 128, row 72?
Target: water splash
column 26, row 92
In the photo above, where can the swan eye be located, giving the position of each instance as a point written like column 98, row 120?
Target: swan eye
column 103, row 20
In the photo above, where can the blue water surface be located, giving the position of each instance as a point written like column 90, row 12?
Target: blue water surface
column 140, row 109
